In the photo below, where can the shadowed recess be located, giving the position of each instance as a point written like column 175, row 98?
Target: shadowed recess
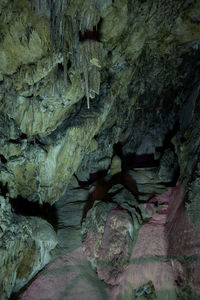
column 26, row 208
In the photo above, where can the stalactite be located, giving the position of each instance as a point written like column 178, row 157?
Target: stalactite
column 86, row 51
column 86, row 88
column 90, row 56
column 89, row 19
column 57, row 28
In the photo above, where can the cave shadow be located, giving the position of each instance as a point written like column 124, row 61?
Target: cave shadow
column 129, row 161
column 103, row 186
column 21, row 206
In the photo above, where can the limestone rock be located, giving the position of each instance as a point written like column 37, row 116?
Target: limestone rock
column 90, row 60
column 25, row 248
column 58, row 160
column 110, row 253
column 115, row 165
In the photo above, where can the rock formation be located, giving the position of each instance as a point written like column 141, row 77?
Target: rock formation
column 99, row 117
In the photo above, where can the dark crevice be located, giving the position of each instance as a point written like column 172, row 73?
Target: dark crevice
column 132, row 160
column 30, row 97
column 99, row 175
column 40, row 143
column 69, row 63
column 60, row 68
column 22, row 206
column 36, row 140
column 17, row 142
column 93, row 34
column 23, row 136
column 89, row 35
column 3, row 189
column 3, row 159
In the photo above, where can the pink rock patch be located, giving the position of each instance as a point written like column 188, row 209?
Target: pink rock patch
column 157, row 256
column 70, row 277
column 157, row 253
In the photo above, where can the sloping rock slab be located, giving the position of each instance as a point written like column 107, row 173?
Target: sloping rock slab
column 69, row 277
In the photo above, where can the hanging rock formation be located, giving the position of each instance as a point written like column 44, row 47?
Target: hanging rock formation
column 90, row 90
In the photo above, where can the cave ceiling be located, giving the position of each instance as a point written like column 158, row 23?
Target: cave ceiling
column 77, row 78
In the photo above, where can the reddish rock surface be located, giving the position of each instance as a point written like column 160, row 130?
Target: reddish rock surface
column 159, row 250
column 112, row 252
column 183, row 242
column 157, row 256
column 70, row 277
column 148, row 259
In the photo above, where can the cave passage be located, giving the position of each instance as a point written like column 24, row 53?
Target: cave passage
column 26, row 208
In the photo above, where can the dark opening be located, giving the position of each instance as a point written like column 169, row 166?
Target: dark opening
column 30, row 97
column 3, row 189
column 69, row 63
column 26, row 208
column 23, row 136
column 3, row 159
column 93, row 34
column 60, row 68
column 132, row 160
column 14, row 141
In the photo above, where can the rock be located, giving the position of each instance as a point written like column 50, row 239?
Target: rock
column 96, row 218
column 168, row 167
column 115, row 166
column 71, row 269
column 128, row 201
column 78, row 78
column 112, row 256
column 146, row 290
column 71, row 214
column 108, row 234
column 110, row 253
column 25, row 248
column 159, row 261
column 51, row 159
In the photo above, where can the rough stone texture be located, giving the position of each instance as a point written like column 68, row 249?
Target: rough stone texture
column 109, row 232
column 69, row 210
column 69, row 277
column 155, row 270
column 25, row 247
column 183, row 241
column 159, row 250
column 38, row 104
column 113, row 253
column 136, row 64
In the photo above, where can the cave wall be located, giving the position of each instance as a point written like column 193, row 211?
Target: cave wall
column 25, row 245
column 77, row 78
column 47, row 130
